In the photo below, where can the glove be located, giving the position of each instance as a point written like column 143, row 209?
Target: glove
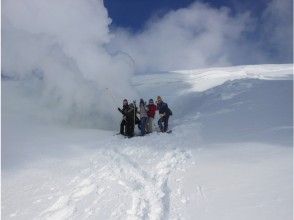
column 119, row 109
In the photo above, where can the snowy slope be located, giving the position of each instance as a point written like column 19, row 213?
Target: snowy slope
column 229, row 156
column 252, row 102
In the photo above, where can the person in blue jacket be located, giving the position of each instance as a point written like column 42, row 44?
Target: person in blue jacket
column 164, row 113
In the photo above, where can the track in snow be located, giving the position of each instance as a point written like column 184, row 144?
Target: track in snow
column 147, row 186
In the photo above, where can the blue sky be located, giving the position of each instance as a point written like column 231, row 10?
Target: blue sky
column 265, row 36
column 133, row 14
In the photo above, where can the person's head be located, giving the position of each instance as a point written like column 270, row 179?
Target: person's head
column 125, row 102
column 142, row 102
column 151, row 101
column 131, row 105
column 159, row 99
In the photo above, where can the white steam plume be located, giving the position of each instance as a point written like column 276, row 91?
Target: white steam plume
column 204, row 36
column 63, row 44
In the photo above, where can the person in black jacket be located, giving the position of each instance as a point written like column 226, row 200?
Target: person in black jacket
column 124, row 111
column 128, row 122
column 164, row 113
column 131, row 118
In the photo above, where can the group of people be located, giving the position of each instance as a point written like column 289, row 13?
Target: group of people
column 143, row 116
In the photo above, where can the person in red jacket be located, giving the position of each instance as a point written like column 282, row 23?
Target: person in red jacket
column 151, row 114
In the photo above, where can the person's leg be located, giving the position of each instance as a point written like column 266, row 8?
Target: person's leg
column 130, row 130
column 122, row 127
column 139, row 125
column 127, row 128
column 143, row 125
column 160, row 124
column 165, row 121
column 137, row 122
column 150, row 124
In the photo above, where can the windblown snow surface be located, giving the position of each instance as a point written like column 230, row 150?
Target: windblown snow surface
column 228, row 157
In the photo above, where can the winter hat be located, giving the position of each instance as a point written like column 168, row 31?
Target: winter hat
column 151, row 101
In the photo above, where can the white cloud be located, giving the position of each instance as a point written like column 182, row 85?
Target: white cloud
column 64, row 42
column 204, row 36
column 192, row 37
column 277, row 30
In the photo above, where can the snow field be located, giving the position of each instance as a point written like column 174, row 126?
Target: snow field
column 229, row 156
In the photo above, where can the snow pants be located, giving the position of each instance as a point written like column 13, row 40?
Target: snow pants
column 150, row 125
column 163, row 123
column 123, row 125
column 143, row 122
column 130, row 129
column 127, row 128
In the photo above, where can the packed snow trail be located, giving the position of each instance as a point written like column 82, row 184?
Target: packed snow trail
column 147, row 183
column 149, row 190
